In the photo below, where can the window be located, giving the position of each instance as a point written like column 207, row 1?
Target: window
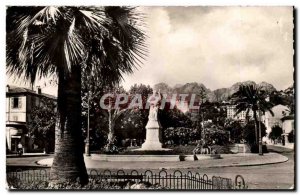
column 16, row 103
column 15, row 118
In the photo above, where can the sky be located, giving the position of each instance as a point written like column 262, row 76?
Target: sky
column 216, row 46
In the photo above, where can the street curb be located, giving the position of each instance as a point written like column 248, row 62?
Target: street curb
column 26, row 156
column 237, row 165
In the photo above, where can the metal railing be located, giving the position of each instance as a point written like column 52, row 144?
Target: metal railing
column 164, row 179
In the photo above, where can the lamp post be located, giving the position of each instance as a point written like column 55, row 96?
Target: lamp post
column 87, row 143
column 202, row 96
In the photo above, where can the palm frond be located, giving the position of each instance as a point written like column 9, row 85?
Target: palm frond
column 43, row 40
column 73, row 47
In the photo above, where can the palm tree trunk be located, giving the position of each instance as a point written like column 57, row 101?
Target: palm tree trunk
column 110, row 130
column 255, row 126
column 68, row 162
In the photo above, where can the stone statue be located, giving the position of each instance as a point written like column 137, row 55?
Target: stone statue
column 153, row 112
column 154, row 106
column 153, row 127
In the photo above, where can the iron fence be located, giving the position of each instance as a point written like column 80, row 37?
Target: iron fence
column 171, row 180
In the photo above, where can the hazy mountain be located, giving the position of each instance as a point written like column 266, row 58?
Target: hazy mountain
column 221, row 94
column 178, row 85
column 267, row 86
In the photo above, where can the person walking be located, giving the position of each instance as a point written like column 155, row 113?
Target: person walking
column 20, row 149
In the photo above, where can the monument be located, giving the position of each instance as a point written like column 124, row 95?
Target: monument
column 153, row 127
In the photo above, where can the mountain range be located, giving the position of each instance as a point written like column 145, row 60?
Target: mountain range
column 221, row 94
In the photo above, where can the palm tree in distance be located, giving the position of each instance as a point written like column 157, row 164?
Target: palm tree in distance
column 252, row 98
column 43, row 41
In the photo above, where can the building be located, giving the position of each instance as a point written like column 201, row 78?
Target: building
column 231, row 113
column 288, row 126
column 19, row 104
column 270, row 121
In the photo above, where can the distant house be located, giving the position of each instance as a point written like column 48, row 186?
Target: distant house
column 19, row 104
column 288, row 125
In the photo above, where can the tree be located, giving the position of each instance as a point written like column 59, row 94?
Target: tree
column 289, row 95
column 214, row 112
column 42, row 123
column 136, row 120
column 113, row 113
column 251, row 97
column 249, row 132
column 236, row 130
column 132, row 125
column 63, row 41
column 143, row 90
column 174, row 118
column 275, row 132
column 285, row 97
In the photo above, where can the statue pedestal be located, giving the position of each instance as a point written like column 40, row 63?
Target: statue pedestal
column 152, row 137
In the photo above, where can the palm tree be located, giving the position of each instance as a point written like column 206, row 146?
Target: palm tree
column 62, row 41
column 252, row 98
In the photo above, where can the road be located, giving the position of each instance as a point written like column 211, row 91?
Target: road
column 274, row 176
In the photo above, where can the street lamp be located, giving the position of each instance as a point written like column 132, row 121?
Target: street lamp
column 87, row 143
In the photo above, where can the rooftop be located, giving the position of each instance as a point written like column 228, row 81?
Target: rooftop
column 18, row 90
column 290, row 117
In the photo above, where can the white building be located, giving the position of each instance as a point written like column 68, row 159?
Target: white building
column 19, row 104
column 231, row 111
column 270, row 121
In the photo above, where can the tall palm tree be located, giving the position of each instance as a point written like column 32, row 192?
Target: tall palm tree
column 252, row 97
column 43, row 41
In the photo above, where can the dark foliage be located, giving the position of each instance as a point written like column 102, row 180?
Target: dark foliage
column 249, row 132
column 291, row 137
column 276, row 132
column 180, row 136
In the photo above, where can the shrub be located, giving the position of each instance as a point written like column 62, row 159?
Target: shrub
column 94, row 184
column 217, row 137
column 111, row 148
column 276, row 132
column 180, row 135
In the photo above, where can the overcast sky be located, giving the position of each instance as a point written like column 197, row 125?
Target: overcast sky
column 216, row 46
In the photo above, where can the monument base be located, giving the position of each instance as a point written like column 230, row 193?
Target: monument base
column 152, row 142
column 152, row 147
